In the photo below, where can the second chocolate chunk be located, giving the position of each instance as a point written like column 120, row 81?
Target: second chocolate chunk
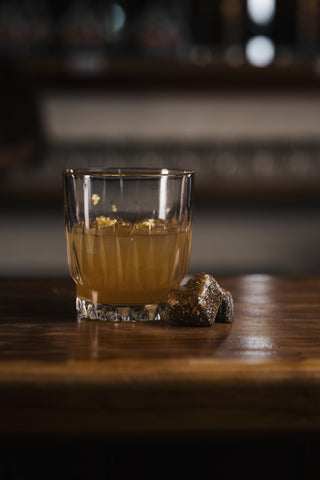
column 196, row 303
column 226, row 309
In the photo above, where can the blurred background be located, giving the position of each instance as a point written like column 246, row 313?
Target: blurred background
column 229, row 88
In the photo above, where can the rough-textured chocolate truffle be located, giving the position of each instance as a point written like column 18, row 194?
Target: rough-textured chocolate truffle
column 226, row 309
column 196, row 303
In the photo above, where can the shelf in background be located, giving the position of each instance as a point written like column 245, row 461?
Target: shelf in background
column 224, row 171
column 82, row 68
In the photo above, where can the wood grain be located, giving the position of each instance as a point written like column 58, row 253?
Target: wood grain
column 260, row 374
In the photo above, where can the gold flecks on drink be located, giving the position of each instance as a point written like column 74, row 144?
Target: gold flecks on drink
column 151, row 224
column 95, row 199
column 148, row 223
column 106, row 221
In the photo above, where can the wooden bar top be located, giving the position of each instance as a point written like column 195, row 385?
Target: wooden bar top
column 260, row 374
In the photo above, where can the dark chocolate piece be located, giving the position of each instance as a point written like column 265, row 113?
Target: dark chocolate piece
column 196, row 303
column 226, row 309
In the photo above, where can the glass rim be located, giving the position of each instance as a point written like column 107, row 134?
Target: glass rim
column 127, row 172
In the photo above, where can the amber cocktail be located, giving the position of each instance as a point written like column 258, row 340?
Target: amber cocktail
column 128, row 235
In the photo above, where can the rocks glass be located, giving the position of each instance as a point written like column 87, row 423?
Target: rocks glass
column 128, row 238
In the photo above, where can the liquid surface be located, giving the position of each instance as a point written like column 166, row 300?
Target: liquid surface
column 119, row 263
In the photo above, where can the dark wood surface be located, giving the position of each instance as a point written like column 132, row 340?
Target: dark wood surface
column 259, row 375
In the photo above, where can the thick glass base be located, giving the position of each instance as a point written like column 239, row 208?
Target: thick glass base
column 115, row 313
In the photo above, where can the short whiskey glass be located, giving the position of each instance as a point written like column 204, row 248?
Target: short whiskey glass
column 128, row 238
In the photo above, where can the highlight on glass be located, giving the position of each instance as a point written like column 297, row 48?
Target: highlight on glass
column 128, row 239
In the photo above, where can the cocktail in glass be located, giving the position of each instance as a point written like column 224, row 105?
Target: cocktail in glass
column 128, row 236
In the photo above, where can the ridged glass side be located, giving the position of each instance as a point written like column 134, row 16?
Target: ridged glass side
column 128, row 268
column 89, row 310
